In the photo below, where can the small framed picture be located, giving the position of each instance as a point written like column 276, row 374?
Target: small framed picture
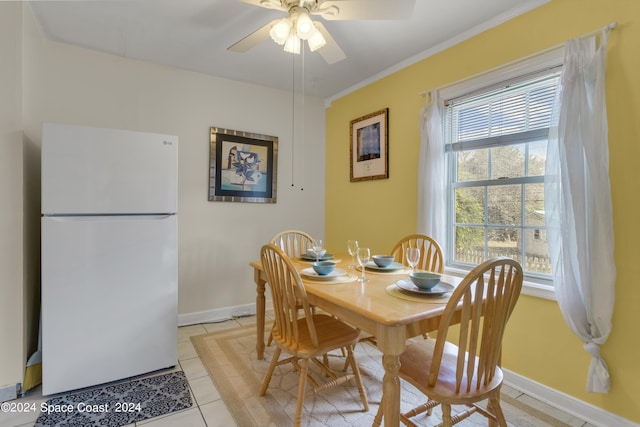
column 370, row 146
column 242, row 166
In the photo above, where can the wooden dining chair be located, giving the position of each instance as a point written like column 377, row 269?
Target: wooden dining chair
column 304, row 338
column 431, row 258
column 468, row 372
column 293, row 242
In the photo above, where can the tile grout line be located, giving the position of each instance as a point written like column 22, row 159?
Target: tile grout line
column 204, row 420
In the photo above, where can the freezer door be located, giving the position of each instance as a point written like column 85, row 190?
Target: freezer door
column 109, row 298
column 88, row 170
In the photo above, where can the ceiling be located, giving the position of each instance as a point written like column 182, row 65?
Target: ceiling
column 194, row 35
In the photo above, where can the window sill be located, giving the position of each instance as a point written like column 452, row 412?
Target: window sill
column 530, row 288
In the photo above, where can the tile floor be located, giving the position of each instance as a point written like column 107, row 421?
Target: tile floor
column 208, row 409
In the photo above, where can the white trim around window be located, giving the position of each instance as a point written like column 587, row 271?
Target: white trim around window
column 522, row 68
column 529, row 65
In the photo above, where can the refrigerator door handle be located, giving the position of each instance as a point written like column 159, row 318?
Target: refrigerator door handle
column 130, row 217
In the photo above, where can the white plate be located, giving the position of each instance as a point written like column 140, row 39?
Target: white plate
column 311, row 274
column 310, row 257
column 375, row 267
column 438, row 290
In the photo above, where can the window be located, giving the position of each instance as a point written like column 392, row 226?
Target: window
column 495, row 145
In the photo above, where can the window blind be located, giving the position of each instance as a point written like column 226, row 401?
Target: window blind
column 512, row 113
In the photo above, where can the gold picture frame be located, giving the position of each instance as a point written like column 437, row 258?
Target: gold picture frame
column 369, row 146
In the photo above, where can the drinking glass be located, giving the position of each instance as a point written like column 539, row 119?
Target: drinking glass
column 352, row 247
column 363, row 257
column 413, row 256
column 318, row 249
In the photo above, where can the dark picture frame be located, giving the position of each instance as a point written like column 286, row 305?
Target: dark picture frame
column 369, row 146
column 243, row 166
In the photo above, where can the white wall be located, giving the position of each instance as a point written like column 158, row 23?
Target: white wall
column 12, row 356
column 217, row 240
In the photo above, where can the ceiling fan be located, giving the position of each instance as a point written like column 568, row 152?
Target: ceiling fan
column 297, row 26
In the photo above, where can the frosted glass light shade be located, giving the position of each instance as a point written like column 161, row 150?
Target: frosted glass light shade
column 291, row 32
column 280, row 31
column 304, row 26
column 316, row 41
column 292, row 45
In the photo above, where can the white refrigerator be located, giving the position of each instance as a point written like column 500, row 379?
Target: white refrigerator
column 109, row 255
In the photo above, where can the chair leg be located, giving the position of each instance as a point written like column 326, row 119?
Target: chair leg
column 356, row 371
column 346, row 364
column 301, row 385
column 446, row 415
column 272, row 366
column 346, row 360
column 495, row 408
column 270, row 339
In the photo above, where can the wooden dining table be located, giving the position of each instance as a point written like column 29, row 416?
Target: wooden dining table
column 375, row 306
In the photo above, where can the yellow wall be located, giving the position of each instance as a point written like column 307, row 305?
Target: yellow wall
column 538, row 344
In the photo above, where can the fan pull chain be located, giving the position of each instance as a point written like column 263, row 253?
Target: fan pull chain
column 303, row 116
column 293, row 118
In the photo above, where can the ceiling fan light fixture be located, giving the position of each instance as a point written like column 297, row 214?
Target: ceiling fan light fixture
column 280, row 31
column 304, row 25
column 316, row 41
column 292, row 45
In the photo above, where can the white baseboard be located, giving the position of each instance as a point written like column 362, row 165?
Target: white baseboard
column 217, row 315
column 569, row 404
column 8, row 392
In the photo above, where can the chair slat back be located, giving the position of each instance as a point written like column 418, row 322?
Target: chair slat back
column 288, row 295
column 431, row 258
column 482, row 321
column 293, row 242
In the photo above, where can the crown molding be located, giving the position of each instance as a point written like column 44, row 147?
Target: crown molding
column 491, row 23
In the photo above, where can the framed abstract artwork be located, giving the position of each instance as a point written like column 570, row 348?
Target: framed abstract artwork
column 242, row 166
column 369, row 149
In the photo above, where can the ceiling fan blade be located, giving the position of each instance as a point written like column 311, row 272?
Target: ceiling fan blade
column 365, row 9
column 331, row 52
column 268, row 4
column 252, row 39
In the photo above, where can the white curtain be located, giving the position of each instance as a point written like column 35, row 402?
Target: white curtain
column 431, row 171
column 578, row 203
